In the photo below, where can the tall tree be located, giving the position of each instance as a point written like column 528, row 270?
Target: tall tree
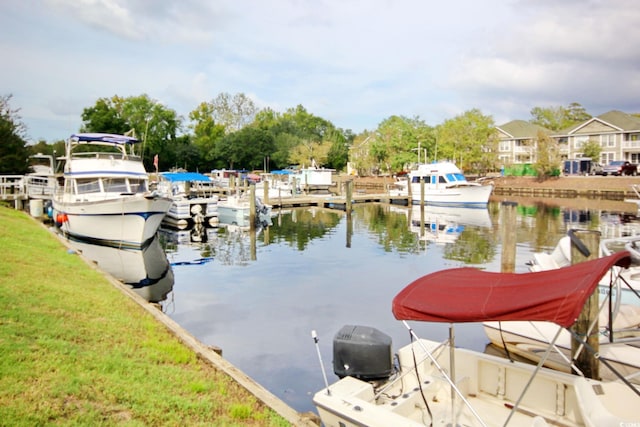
column 14, row 154
column 559, row 118
column 247, row 148
column 147, row 119
column 233, row 112
column 548, row 156
column 469, row 140
column 205, row 134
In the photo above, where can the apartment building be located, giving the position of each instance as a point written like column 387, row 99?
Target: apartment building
column 618, row 134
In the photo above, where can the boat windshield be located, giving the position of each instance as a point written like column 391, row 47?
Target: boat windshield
column 138, row 185
column 88, row 185
column 115, row 185
column 455, row 177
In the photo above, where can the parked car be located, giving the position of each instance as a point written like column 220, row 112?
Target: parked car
column 596, row 169
column 620, row 167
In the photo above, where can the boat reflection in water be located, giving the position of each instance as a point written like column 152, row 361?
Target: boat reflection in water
column 146, row 271
column 441, row 225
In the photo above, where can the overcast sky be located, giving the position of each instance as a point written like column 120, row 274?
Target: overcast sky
column 352, row 62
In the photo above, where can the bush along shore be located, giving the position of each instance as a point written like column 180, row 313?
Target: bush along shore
column 76, row 350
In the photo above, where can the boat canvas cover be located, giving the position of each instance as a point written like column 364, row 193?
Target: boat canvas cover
column 467, row 294
column 185, row 176
column 104, row 138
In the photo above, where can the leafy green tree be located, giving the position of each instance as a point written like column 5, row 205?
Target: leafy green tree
column 548, row 157
column 559, row 118
column 338, row 154
column 232, row 112
column 470, row 140
column 205, row 134
column 400, row 142
column 284, row 134
column 592, row 149
column 247, row 148
column 142, row 117
column 312, row 132
column 14, row 154
column 105, row 116
column 576, row 113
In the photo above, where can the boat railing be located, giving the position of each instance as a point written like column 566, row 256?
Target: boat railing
column 105, row 155
column 12, row 186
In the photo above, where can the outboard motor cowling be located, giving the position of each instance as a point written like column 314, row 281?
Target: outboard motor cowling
column 362, row 352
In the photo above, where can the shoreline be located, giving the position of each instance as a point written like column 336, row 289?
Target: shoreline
column 207, row 355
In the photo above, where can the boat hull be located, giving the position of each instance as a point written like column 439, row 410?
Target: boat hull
column 530, row 340
column 129, row 221
column 468, row 196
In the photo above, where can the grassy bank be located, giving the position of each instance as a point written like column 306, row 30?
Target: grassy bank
column 75, row 351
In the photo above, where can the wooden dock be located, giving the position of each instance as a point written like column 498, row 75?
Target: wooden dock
column 334, row 202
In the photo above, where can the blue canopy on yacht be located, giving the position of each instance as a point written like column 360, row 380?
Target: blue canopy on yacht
column 103, row 137
column 184, row 176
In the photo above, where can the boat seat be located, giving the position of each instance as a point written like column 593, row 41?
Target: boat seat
column 606, row 404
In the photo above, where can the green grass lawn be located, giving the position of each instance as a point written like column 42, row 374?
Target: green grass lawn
column 75, row 351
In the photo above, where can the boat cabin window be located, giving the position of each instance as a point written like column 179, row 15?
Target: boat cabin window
column 115, row 185
column 453, row 177
column 88, row 185
column 138, row 185
column 417, row 179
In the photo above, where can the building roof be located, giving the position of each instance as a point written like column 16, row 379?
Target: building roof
column 615, row 119
column 520, row 129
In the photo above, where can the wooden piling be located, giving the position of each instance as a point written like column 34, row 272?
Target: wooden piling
column 584, row 360
column 349, row 184
column 252, row 207
column 508, row 233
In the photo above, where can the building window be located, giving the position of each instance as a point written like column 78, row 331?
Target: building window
column 608, row 140
column 579, row 141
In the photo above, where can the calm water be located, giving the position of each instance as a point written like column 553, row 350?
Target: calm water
column 258, row 297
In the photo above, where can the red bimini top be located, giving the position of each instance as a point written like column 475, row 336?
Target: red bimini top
column 471, row 295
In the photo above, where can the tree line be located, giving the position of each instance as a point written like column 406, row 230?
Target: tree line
column 230, row 132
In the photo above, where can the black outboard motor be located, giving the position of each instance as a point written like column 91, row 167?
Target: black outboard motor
column 362, row 352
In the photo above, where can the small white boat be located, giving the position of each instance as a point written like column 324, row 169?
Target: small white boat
column 437, row 384
column 236, row 210
column 444, row 185
column 105, row 197
column 41, row 182
column 620, row 344
column 278, row 187
column 313, row 179
column 560, row 257
column 193, row 199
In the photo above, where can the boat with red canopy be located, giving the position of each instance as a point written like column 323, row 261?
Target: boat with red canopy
column 434, row 383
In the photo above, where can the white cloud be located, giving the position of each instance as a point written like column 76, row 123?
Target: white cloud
column 353, row 62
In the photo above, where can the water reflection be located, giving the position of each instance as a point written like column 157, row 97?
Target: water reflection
column 258, row 295
column 147, row 272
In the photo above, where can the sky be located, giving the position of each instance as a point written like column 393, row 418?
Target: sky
column 352, row 62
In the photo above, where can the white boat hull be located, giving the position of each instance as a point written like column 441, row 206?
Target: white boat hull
column 473, row 195
column 129, row 221
column 529, row 340
column 185, row 212
column 233, row 215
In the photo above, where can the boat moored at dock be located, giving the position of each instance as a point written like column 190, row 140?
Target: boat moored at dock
column 436, row 384
column 105, row 197
column 193, row 199
column 444, row 185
